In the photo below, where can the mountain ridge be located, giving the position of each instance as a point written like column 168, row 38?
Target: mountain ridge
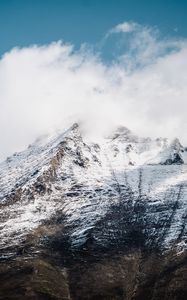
column 68, row 200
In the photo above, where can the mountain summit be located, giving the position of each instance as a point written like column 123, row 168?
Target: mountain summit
column 93, row 221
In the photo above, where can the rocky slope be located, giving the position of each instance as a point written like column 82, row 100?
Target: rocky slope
column 81, row 220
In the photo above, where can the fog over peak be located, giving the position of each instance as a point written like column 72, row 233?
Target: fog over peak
column 143, row 87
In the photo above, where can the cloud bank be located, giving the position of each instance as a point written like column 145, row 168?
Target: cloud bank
column 49, row 87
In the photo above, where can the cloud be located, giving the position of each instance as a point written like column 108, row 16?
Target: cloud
column 141, row 45
column 43, row 88
column 125, row 27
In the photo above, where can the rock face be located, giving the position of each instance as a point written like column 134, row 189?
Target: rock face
column 105, row 221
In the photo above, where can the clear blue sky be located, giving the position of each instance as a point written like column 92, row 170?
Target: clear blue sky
column 26, row 22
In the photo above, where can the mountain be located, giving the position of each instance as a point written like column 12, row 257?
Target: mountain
column 83, row 220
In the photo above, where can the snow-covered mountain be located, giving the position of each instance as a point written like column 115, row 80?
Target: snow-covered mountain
column 77, row 200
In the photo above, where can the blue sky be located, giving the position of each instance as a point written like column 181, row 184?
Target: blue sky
column 26, row 22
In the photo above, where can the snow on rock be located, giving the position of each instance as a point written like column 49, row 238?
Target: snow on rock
column 82, row 181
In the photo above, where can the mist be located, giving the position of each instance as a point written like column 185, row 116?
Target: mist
column 49, row 87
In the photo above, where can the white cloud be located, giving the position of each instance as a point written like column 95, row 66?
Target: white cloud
column 125, row 27
column 143, row 45
column 42, row 88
